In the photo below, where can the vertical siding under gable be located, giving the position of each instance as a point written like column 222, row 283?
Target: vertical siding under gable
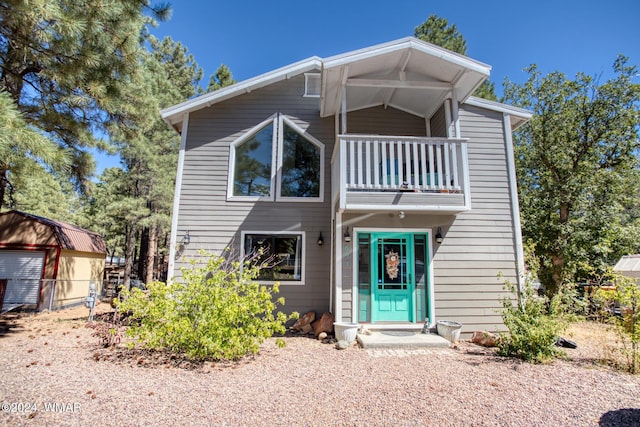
column 215, row 223
column 479, row 245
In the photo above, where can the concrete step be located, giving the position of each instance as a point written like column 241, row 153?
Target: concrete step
column 401, row 339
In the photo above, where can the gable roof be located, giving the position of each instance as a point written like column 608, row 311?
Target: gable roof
column 519, row 116
column 175, row 114
column 408, row 74
column 68, row 236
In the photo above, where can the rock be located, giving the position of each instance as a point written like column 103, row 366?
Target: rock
column 324, row 324
column 306, row 329
column 342, row 345
column 322, row 335
column 306, row 319
column 485, row 339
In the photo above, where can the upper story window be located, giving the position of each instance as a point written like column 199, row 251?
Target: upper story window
column 276, row 160
column 312, row 85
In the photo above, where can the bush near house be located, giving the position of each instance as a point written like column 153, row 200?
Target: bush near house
column 534, row 324
column 217, row 312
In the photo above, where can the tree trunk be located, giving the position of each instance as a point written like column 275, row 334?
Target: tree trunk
column 144, row 250
column 129, row 253
column 151, row 253
column 3, row 186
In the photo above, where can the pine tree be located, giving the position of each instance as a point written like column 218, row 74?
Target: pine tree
column 220, row 79
column 69, row 67
column 436, row 30
column 149, row 151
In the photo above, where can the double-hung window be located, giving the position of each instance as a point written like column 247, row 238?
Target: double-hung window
column 276, row 160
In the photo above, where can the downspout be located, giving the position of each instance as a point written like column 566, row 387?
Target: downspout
column 515, row 204
column 176, row 198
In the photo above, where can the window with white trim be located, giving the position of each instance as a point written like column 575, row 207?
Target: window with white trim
column 276, row 160
column 312, row 85
column 280, row 255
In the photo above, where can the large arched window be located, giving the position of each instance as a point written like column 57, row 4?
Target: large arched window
column 276, row 160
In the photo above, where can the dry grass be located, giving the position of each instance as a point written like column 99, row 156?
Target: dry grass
column 598, row 344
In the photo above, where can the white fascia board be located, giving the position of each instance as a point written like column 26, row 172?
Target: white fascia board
column 174, row 114
column 500, row 107
column 407, row 43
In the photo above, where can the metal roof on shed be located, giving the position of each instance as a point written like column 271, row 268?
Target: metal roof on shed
column 629, row 265
column 68, row 236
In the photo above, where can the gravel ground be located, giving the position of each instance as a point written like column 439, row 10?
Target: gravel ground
column 53, row 359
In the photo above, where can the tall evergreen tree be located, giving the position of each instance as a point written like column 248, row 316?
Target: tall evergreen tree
column 436, row 30
column 149, row 151
column 22, row 151
column 69, row 66
column 221, row 78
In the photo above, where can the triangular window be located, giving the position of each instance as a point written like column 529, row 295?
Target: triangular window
column 277, row 154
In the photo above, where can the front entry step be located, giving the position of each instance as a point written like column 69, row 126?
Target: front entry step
column 401, row 339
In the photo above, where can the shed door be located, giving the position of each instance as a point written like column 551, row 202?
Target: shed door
column 24, row 271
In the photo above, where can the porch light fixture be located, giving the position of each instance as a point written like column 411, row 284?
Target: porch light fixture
column 401, row 214
column 347, row 236
column 439, row 235
column 320, row 239
column 186, row 239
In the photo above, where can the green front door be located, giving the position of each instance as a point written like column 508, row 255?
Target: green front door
column 392, row 277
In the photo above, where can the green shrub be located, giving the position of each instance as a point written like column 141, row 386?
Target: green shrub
column 217, row 312
column 534, row 324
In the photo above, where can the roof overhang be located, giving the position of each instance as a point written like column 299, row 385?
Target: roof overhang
column 519, row 116
column 408, row 74
column 174, row 115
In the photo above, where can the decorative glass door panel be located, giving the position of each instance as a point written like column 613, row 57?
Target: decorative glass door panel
column 393, row 277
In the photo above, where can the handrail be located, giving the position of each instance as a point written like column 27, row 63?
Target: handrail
column 399, row 163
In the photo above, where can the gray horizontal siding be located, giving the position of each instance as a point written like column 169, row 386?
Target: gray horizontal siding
column 215, row 223
column 478, row 251
column 385, row 121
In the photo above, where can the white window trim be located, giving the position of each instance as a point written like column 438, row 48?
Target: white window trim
column 307, row 76
column 232, row 163
column 283, row 119
column 278, row 121
column 303, row 255
column 430, row 274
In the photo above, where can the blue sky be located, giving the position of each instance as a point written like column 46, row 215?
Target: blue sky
column 254, row 37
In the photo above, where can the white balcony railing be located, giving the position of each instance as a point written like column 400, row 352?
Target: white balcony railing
column 379, row 163
column 382, row 164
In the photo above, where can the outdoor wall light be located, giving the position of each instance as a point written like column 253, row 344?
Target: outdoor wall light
column 439, row 235
column 187, row 238
column 320, row 239
column 401, row 214
column 347, row 236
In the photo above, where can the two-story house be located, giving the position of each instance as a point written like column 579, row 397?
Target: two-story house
column 380, row 188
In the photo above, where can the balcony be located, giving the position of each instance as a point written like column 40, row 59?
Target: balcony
column 374, row 172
